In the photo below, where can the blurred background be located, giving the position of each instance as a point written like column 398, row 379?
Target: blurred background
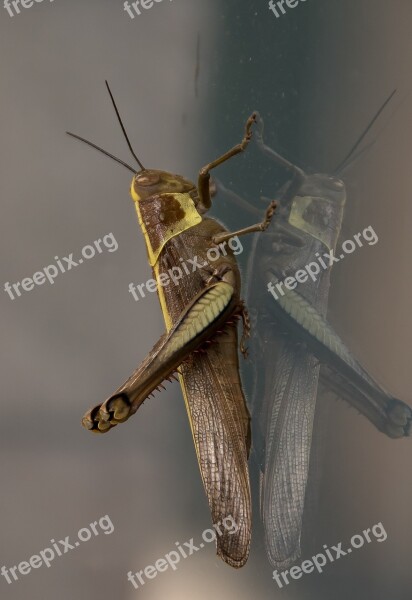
column 186, row 74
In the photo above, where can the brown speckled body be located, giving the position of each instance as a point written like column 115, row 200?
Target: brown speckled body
column 214, row 397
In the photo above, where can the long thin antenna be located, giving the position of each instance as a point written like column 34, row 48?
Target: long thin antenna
column 362, row 136
column 103, row 151
column 123, row 129
column 354, row 158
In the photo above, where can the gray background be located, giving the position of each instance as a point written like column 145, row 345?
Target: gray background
column 317, row 75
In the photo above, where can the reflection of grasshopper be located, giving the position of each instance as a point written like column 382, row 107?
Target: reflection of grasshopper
column 291, row 340
column 171, row 211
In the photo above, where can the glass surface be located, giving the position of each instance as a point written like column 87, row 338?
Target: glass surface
column 186, row 75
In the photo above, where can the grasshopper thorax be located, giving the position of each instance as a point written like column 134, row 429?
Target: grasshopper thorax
column 166, row 207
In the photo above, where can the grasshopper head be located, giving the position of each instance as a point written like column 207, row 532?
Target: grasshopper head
column 151, row 182
column 322, row 185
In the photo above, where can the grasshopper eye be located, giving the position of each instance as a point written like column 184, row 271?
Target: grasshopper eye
column 147, row 178
column 334, row 184
column 338, row 184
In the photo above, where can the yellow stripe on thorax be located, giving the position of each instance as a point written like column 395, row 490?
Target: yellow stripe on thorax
column 169, row 323
column 296, row 218
column 189, row 218
column 192, row 219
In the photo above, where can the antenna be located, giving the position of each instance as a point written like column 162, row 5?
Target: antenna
column 343, row 164
column 123, row 129
column 103, row 151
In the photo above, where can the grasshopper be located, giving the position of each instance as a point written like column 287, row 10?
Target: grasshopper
column 303, row 348
column 310, row 218
column 201, row 339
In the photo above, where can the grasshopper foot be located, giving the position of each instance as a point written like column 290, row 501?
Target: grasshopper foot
column 399, row 419
column 104, row 416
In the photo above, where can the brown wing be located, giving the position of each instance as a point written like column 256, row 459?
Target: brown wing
column 214, row 399
column 221, row 432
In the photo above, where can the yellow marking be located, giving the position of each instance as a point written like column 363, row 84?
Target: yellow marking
column 296, row 218
column 162, row 299
column 169, row 323
column 134, row 195
column 200, row 316
column 191, row 218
